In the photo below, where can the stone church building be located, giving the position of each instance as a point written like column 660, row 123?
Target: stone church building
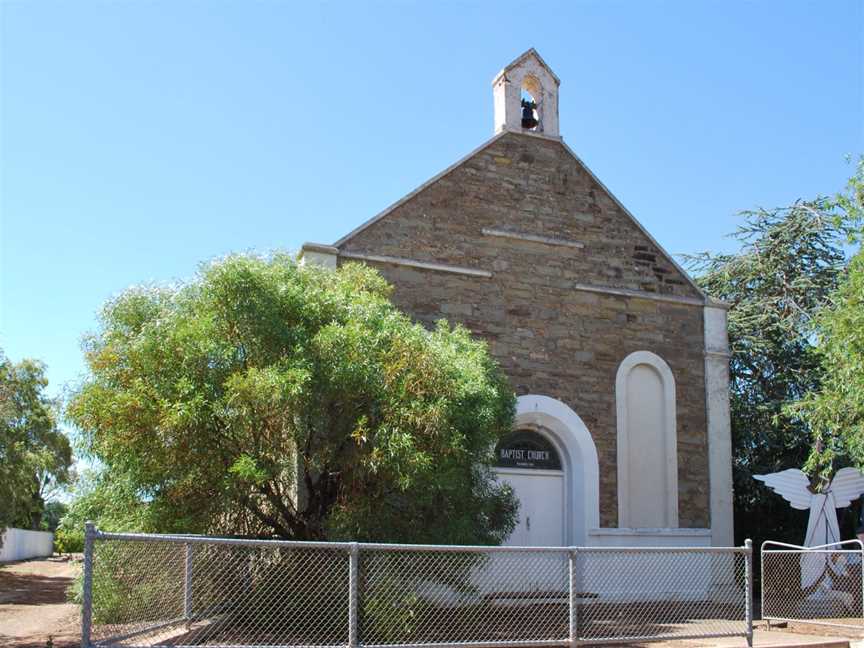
column 619, row 360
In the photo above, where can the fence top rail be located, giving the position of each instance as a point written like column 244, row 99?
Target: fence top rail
column 783, row 547
column 354, row 546
column 798, row 552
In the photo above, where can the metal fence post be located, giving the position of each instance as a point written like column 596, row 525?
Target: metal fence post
column 187, row 583
column 762, row 586
column 748, row 589
column 87, row 593
column 574, row 598
column 353, row 594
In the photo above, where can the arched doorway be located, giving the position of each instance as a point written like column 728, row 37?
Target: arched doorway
column 571, row 492
column 528, row 460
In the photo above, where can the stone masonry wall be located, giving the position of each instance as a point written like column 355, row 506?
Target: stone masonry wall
column 550, row 338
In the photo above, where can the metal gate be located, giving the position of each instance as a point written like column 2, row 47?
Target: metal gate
column 821, row 585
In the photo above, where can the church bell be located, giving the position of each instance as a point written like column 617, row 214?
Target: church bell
column 528, row 120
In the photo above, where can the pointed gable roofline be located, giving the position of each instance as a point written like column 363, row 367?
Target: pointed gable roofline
column 640, row 227
column 342, row 241
column 528, row 53
column 423, row 186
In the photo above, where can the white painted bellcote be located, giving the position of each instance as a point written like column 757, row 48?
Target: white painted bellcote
column 527, row 78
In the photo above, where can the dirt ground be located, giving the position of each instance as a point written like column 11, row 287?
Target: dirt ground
column 33, row 604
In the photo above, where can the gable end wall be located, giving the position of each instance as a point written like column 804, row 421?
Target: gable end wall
column 549, row 337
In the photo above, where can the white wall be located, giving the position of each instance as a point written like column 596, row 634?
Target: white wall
column 719, row 422
column 659, row 576
column 605, row 537
column 19, row 544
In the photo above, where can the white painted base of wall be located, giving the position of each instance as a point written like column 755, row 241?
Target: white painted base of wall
column 20, row 544
column 617, row 537
column 618, row 576
column 615, row 575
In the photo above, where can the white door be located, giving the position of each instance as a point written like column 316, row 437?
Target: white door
column 541, row 507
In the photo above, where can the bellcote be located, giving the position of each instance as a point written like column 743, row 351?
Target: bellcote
column 526, row 96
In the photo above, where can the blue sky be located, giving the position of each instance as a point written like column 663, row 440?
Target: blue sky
column 138, row 139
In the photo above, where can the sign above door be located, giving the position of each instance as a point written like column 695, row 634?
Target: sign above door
column 527, row 449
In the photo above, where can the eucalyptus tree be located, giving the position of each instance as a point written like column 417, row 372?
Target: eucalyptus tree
column 35, row 456
column 265, row 397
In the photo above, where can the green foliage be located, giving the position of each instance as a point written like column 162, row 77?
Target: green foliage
column 211, row 404
column 393, row 606
column 836, row 411
column 115, row 502
column 392, row 612
column 790, row 262
column 35, row 457
column 52, row 513
column 127, row 572
column 68, row 541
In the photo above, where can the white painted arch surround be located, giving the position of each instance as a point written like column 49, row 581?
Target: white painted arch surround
column 578, row 456
column 670, row 427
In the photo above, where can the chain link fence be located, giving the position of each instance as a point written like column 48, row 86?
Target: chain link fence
column 159, row 590
column 818, row 585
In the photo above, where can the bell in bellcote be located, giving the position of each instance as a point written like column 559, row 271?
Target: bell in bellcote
column 528, row 119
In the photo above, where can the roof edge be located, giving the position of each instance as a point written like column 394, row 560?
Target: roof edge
column 318, row 247
column 357, row 230
column 529, row 52
column 342, row 241
column 638, row 225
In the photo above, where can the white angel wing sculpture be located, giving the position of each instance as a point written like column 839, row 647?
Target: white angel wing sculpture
column 847, row 486
column 792, row 485
column 822, row 526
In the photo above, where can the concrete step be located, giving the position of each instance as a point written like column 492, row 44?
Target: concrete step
column 846, row 628
column 777, row 638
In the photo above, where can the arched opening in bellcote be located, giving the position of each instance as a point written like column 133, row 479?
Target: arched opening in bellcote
column 532, row 101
